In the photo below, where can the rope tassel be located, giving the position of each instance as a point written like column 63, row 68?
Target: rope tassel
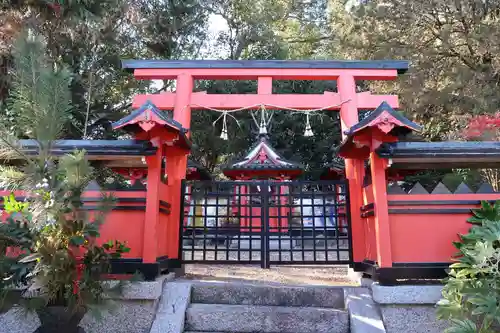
column 263, row 126
column 308, row 132
column 223, row 134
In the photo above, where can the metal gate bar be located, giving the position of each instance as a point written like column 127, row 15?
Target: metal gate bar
column 266, row 222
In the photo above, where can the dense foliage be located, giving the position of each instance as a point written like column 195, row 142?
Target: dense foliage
column 14, row 234
column 61, row 262
column 471, row 296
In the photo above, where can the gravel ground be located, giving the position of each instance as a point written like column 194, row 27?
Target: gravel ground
column 295, row 275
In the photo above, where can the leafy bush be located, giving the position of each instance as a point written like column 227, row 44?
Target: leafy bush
column 471, row 296
column 14, row 233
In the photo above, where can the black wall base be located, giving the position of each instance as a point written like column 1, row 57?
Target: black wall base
column 403, row 273
column 149, row 271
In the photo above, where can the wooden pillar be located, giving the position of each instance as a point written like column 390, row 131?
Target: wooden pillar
column 174, row 183
column 381, row 210
column 176, row 164
column 152, row 216
column 244, row 209
column 265, row 85
column 182, row 113
column 284, row 208
column 182, row 107
column 354, row 170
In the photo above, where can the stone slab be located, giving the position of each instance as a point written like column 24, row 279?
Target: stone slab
column 133, row 312
column 412, row 319
column 124, row 316
column 265, row 319
column 143, row 290
column 171, row 312
column 364, row 315
column 422, row 294
column 270, row 295
column 18, row 320
column 131, row 316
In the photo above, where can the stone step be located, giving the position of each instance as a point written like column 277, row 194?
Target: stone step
column 271, row 295
column 265, row 319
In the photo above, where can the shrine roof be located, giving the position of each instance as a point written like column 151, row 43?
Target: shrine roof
column 400, row 65
column 95, row 149
column 262, row 156
column 169, row 122
column 442, row 155
column 385, row 107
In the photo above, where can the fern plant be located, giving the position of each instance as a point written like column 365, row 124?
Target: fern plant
column 471, row 295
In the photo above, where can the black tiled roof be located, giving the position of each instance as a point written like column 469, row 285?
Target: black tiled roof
column 448, row 154
column 93, row 147
column 400, row 65
column 149, row 105
column 377, row 112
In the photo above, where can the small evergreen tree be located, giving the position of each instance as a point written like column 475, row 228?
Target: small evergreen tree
column 67, row 262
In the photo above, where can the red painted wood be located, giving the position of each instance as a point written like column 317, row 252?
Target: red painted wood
column 168, row 101
column 176, row 171
column 254, row 73
column 182, row 100
column 382, row 226
column 438, row 230
column 150, row 246
column 265, row 85
column 354, row 169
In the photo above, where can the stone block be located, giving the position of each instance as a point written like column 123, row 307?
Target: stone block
column 265, row 319
column 142, row 290
column 172, row 308
column 418, row 294
column 134, row 316
column 364, row 315
column 18, row 320
column 132, row 312
column 276, row 295
column 412, row 319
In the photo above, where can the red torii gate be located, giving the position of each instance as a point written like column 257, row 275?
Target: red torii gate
column 346, row 100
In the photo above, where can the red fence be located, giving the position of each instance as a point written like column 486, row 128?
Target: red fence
column 422, row 230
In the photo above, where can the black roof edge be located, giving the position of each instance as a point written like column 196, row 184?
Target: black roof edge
column 400, row 65
column 94, row 147
column 384, row 106
column 418, row 150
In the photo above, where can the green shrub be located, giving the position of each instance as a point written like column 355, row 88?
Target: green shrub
column 471, row 295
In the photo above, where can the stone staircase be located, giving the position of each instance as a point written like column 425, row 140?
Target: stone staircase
column 245, row 308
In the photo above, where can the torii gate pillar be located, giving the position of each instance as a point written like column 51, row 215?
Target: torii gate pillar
column 354, row 168
column 182, row 114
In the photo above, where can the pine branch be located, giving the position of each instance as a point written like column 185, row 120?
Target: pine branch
column 11, row 178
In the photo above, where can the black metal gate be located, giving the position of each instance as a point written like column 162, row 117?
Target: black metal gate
column 265, row 222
